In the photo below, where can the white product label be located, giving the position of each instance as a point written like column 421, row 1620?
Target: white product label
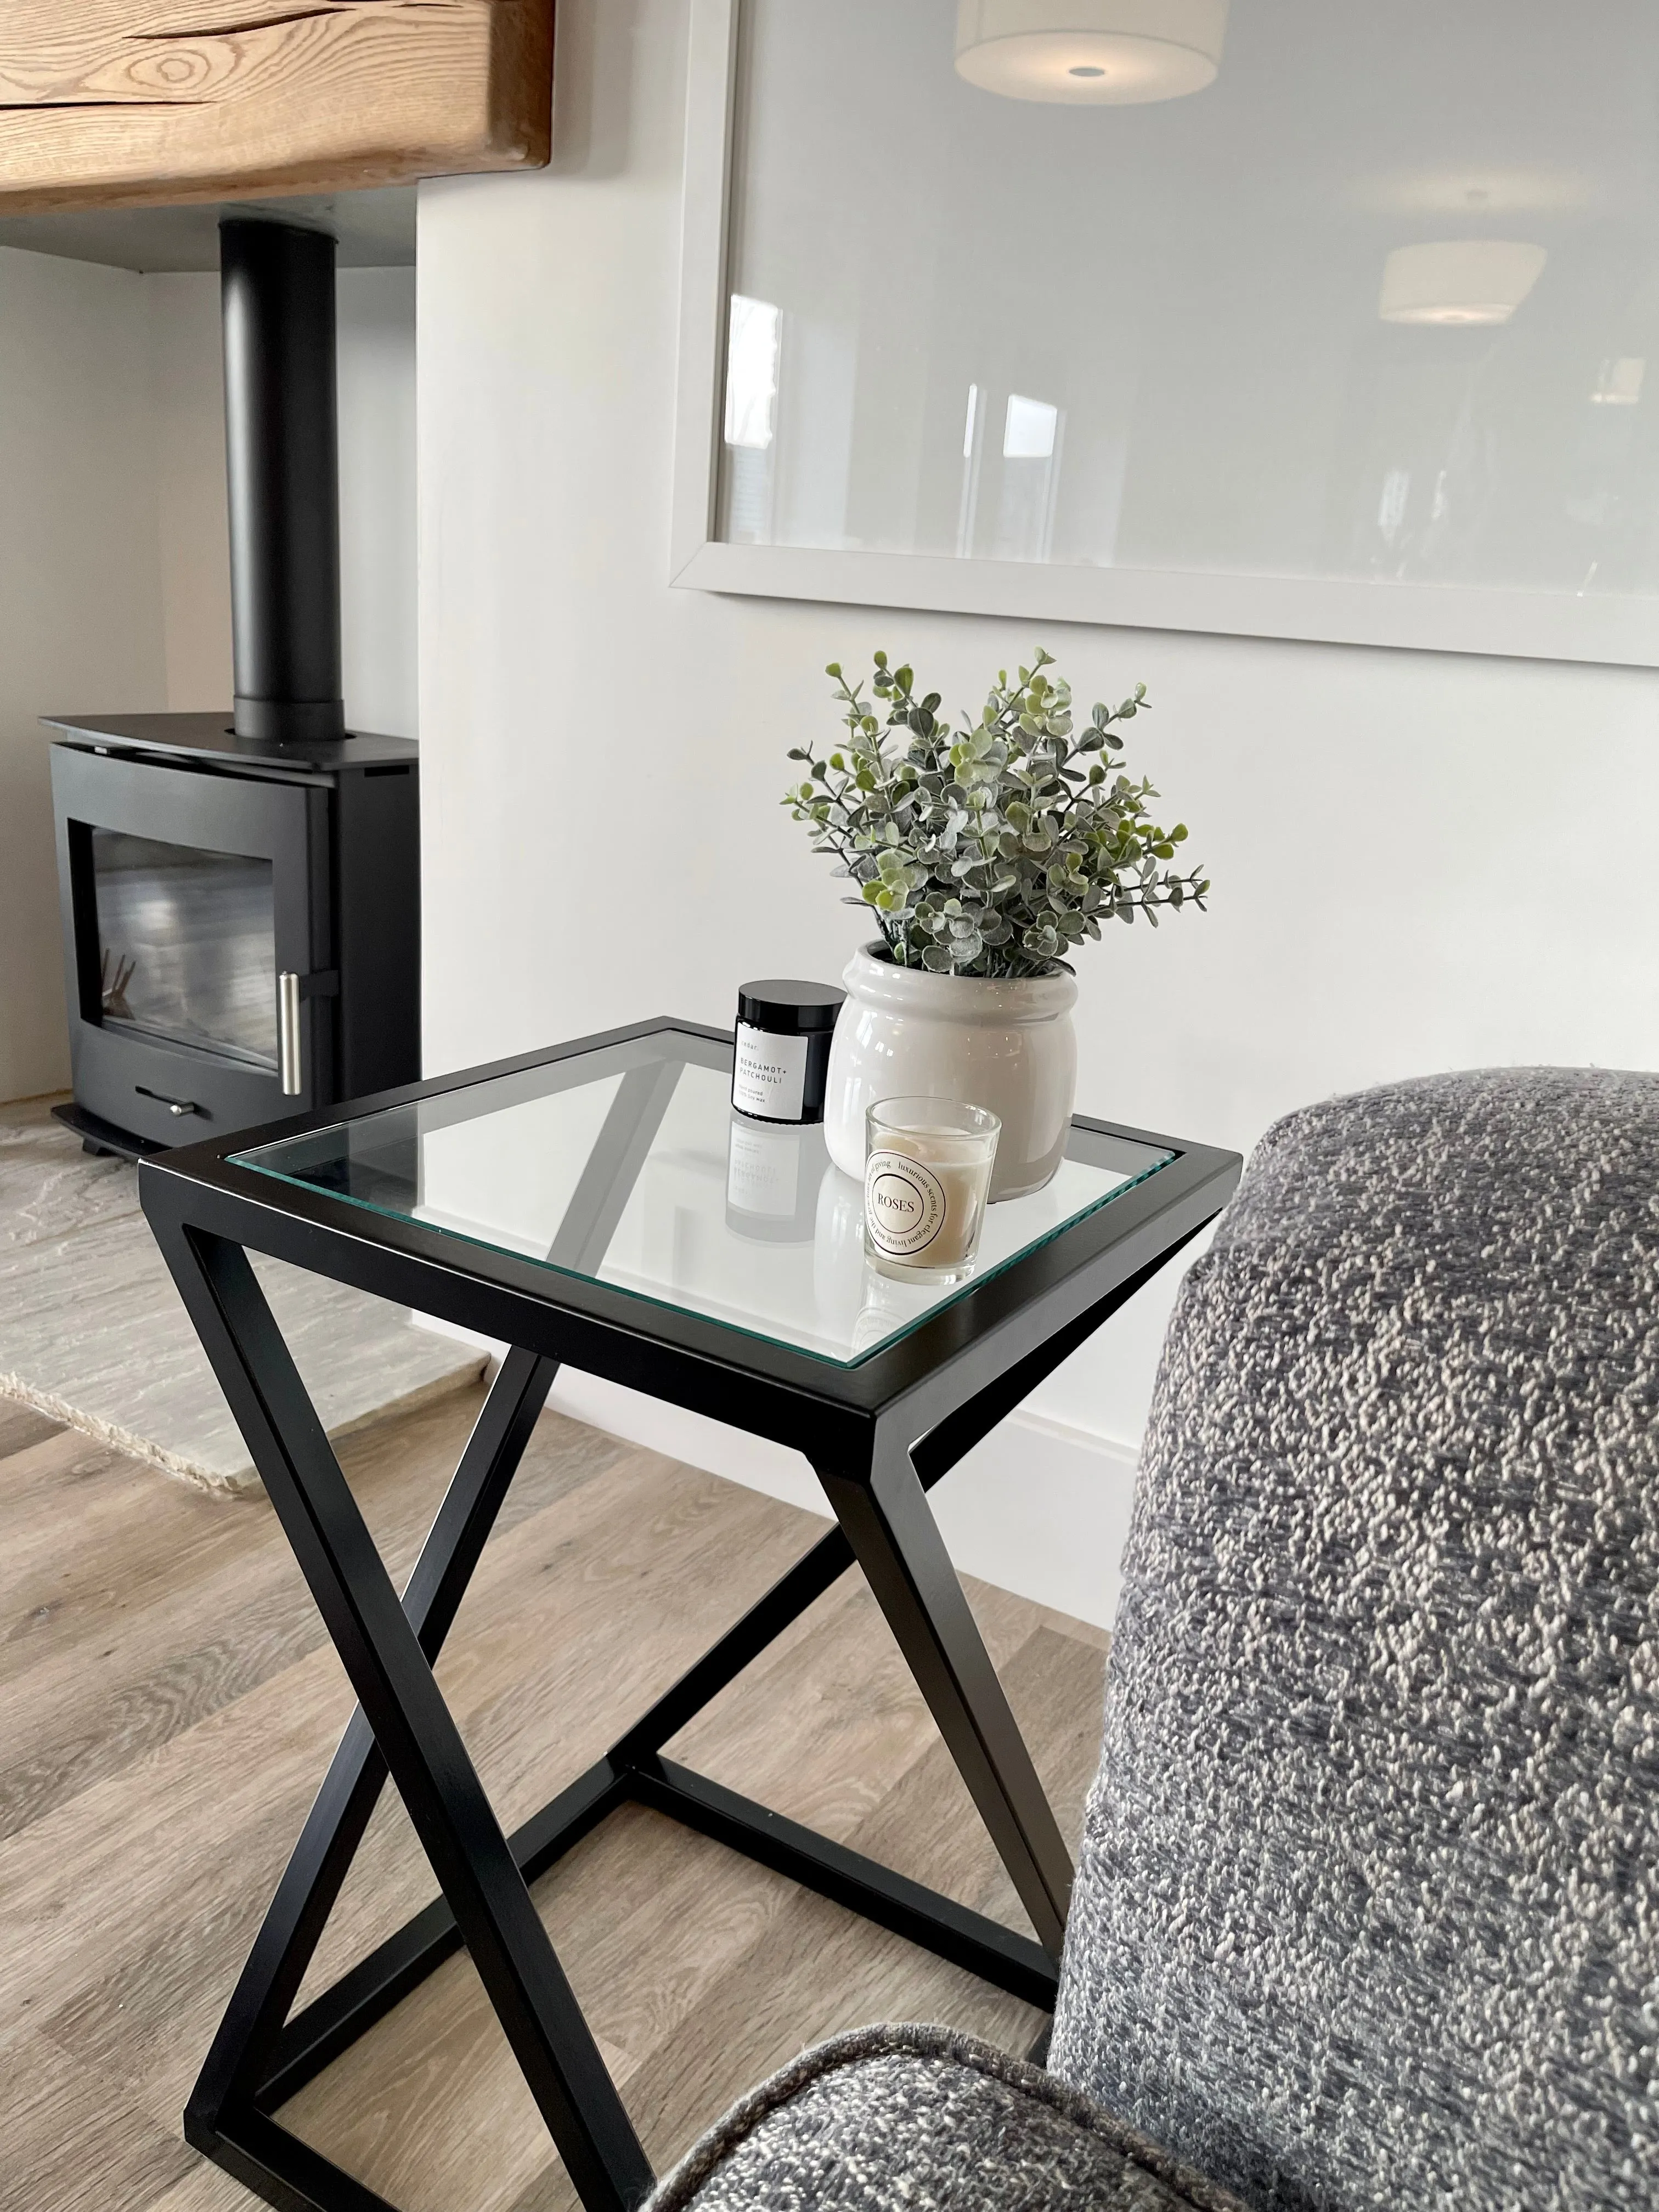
column 904, row 1204
column 768, row 1074
column 762, row 1171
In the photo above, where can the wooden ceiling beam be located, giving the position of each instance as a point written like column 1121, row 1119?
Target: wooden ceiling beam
column 106, row 103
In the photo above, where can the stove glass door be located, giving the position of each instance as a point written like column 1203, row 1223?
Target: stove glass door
column 187, row 945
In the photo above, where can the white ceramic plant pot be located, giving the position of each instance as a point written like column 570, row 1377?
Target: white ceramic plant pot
column 1007, row 1044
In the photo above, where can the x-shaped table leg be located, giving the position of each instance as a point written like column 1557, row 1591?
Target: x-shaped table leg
column 384, row 1648
column 259, row 2056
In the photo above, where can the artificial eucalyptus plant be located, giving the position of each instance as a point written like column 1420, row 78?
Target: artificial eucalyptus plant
column 998, row 849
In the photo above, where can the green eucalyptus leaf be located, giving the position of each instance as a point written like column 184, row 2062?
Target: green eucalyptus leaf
column 998, row 845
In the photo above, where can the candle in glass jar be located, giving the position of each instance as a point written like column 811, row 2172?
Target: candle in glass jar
column 927, row 1169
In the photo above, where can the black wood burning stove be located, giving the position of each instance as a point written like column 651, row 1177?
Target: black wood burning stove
column 240, row 891
column 241, row 923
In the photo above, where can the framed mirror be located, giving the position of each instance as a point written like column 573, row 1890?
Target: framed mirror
column 1286, row 318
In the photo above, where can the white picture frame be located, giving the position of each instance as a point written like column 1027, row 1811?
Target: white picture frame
column 1542, row 625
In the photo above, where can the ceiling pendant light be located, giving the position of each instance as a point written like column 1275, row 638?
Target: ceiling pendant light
column 1104, row 52
column 1459, row 281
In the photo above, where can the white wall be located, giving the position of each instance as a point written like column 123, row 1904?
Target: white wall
column 1420, row 861
column 377, row 505
column 80, row 592
column 187, row 387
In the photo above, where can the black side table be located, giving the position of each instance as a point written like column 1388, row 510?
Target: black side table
column 598, row 1204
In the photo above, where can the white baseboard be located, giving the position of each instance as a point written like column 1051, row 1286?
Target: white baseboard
column 1037, row 1507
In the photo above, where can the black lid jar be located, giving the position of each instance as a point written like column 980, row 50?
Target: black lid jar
column 781, row 1062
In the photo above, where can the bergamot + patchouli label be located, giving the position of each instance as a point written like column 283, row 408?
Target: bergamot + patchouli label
column 768, row 1074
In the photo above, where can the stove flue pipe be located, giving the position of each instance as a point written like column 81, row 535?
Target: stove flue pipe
column 282, row 455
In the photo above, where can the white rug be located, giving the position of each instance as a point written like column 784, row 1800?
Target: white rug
column 92, row 1332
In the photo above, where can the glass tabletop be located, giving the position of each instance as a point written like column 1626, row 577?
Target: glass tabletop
column 627, row 1166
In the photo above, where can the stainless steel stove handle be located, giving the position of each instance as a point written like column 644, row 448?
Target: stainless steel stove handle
column 174, row 1105
column 288, row 1033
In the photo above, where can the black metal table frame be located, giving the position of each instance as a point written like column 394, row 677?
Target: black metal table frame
column 877, row 1434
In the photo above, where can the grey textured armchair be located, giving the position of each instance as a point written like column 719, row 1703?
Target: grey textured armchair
column 1367, row 1915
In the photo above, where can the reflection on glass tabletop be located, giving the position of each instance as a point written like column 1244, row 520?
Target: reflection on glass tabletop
column 627, row 1165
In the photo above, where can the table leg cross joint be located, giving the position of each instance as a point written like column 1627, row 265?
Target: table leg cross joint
column 402, row 1728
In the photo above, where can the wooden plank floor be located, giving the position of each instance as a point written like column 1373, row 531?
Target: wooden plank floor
column 169, row 1703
